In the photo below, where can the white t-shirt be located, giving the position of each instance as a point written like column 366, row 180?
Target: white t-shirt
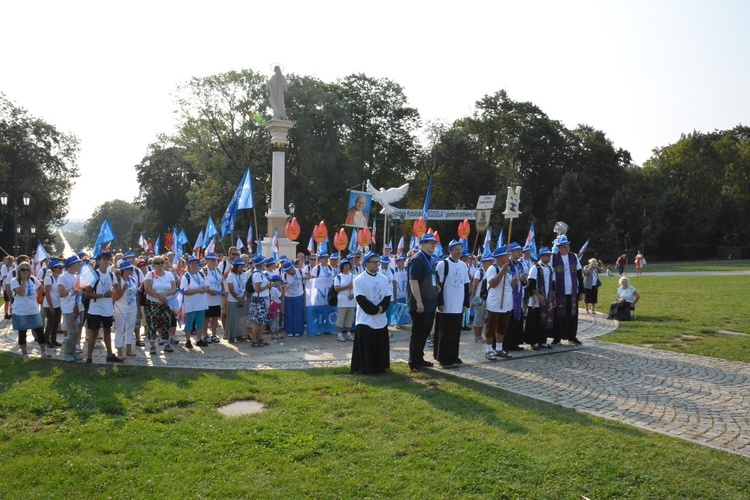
column 453, row 286
column 548, row 277
column 322, row 271
column 102, row 306
column 478, row 277
column 68, row 282
column 41, row 274
column 195, row 301
column 258, row 277
column 159, row 284
column 375, row 289
column 294, row 284
column 238, row 284
column 54, row 293
column 495, row 295
column 215, row 281
column 27, row 304
column 4, row 271
column 402, row 280
column 566, row 274
column 344, row 280
column 275, row 294
column 127, row 301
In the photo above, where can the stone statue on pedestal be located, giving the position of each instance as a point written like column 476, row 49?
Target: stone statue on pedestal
column 276, row 87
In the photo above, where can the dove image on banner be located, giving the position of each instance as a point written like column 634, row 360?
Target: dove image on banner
column 359, row 208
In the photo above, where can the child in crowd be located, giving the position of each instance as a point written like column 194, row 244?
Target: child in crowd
column 274, row 308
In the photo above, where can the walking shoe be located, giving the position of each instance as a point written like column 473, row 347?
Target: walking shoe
column 201, row 343
column 430, row 343
column 188, row 345
column 341, row 338
column 152, row 350
column 56, row 344
column 113, row 358
column 350, row 336
column 576, row 341
column 215, row 339
column 491, row 356
column 174, row 341
column 168, row 348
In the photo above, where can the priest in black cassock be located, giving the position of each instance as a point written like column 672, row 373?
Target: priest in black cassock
column 372, row 291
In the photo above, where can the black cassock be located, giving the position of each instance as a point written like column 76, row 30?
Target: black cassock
column 371, row 352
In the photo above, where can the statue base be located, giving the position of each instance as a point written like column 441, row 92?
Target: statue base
column 286, row 247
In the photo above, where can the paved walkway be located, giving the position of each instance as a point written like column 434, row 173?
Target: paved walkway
column 700, row 399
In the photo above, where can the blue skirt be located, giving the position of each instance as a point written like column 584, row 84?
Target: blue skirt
column 27, row 322
column 294, row 315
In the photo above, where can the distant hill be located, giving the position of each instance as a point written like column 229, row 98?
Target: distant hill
column 74, row 226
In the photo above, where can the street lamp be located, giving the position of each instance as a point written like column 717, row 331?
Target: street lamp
column 292, row 207
column 15, row 212
column 27, row 237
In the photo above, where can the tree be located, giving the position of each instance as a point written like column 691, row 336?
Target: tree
column 38, row 159
column 125, row 219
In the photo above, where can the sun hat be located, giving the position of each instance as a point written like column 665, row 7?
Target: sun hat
column 257, row 260
column 427, row 238
column 124, row 265
column 238, row 262
column 288, row 265
column 499, row 252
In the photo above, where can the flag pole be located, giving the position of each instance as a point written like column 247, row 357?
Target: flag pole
column 385, row 232
column 255, row 219
column 476, row 239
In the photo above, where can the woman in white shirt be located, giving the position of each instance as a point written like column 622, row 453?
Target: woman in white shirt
column 235, row 324
column 258, row 290
column 294, row 300
column 195, row 288
column 159, row 285
column 344, row 284
column 25, row 289
column 627, row 297
column 124, row 297
column 52, row 303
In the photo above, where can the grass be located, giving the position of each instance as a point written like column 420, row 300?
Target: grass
column 130, row 432
column 685, row 314
column 702, row 265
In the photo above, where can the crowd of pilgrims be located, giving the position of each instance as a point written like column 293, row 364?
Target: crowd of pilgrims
column 516, row 302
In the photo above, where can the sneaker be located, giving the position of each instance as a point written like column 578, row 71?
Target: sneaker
column 341, row 337
column 168, row 348
column 188, row 345
column 78, row 348
column 215, row 339
column 152, row 350
column 201, row 343
column 350, row 337
column 174, row 341
column 113, row 358
column 491, row 356
column 430, row 343
column 208, row 340
column 56, row 344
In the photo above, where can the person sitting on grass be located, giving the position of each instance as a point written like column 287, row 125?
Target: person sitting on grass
column 627, row 297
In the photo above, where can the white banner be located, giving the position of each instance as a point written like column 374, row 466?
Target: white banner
column 435, row 214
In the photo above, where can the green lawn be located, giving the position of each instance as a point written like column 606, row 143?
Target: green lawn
column 698, row 265
column 129, row 432
column 685, row 314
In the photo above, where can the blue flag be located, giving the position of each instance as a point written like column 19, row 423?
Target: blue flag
column 198, row 242
column 210, row 231
column 246, row 191
column 157, row 245
column 260, row 247
column 105, row 234
column 464, row 244
column 311, row 246
column 323, row 247
column 353, row 241
column 501, row 239
column 487, row 241
column 230, row 216
column 426, row 206
column 182, row 238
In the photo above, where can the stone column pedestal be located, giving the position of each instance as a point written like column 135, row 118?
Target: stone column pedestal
column 276, row 215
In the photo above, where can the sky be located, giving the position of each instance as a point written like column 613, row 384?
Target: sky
column 644, row 72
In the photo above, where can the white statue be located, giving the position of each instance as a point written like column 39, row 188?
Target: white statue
column 387, row 196
column 512, row 202
column 276, row 87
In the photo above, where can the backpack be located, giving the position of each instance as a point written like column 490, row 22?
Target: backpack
column 333, row 296
column 485, row 287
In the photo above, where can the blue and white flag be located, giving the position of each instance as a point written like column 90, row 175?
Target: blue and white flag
column 531, row 242
column 105, row 234
column 487, row 241
column 242, row 198
column 182, row 238
column 40, row 253
column 210, row 230
column 311, row 246
column 583, row 248
column 211, row 245
column 239, row 245
column 157, row 245
column 400, row 247
column 260, row 248
column 501, row 239
column 275, row 244
column 198, row 242
column 353, row 241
